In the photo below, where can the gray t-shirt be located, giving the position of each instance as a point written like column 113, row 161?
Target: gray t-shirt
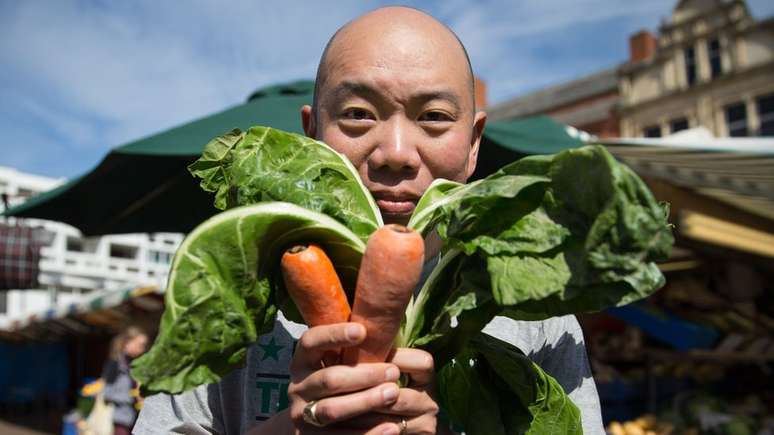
column 251, row 395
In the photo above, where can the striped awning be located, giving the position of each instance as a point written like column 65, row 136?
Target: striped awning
column 103, row 310
column 738, row 172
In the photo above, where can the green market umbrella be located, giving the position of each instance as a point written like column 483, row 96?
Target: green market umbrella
column 506, row 141
column 144, row 186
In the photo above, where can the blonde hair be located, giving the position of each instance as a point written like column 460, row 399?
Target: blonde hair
column 118, row 342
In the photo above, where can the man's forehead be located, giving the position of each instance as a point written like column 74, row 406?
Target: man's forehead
column 396, row 38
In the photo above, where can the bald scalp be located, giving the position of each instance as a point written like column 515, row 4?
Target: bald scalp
column 422, row 22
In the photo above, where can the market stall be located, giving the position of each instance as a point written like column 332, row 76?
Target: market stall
column 46, row 357
column 697, row 356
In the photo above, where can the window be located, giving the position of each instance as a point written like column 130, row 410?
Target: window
column 123, row 251
column 713, row 48
column 3, row 302
column 74, row 244
column 652, row 131
column 765, row 105
column 678, row 124
column 159, row 257
column 24, row 193
column 736, row 120
column 690, row 65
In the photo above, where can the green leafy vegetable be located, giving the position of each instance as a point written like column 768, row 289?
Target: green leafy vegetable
column 568, row 233
column 544, row 236
column 222, row 290
column 513, row 394
column 265, row 164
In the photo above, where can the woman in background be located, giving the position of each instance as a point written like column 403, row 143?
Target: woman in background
column 120, row 388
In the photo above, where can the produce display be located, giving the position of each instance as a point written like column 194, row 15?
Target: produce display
column 543, row 236
column 694, row 413
column 708, row 372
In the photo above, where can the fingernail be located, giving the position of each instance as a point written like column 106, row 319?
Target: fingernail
column 392, row 430
column 391, row 374
column 390, row 393
column 353, row 332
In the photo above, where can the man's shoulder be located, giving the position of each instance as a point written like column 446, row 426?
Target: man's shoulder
column 535, row 336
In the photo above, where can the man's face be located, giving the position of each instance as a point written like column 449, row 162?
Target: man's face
column 402, row 112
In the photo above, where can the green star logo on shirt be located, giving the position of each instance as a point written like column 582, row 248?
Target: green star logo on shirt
column 270, row 350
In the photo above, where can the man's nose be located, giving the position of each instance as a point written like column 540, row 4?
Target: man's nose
column 396, row 148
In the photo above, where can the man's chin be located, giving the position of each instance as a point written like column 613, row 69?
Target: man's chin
column 396, row 218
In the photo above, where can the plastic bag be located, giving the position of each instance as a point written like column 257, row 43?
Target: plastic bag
column 100, row 420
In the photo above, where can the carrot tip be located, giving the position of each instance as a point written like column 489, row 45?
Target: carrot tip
column 398, row 228
column 296, row 249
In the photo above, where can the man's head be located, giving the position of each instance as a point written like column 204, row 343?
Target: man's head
column 394, row 93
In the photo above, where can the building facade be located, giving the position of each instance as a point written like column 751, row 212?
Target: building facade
column 588, row 104
column 711, row 65
column 72, row 266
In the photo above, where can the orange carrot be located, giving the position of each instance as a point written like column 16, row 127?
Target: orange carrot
column 388, row 273
column 314, row 286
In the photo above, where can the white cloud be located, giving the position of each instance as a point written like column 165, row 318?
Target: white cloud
column 98, row 76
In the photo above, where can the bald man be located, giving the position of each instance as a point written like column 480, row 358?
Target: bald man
column 394, row 93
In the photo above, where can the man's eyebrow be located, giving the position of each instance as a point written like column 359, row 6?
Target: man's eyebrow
column 347, row 88
column 439, row 94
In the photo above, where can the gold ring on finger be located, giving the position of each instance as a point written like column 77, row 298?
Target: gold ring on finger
column 403, row 426
column 310, row 414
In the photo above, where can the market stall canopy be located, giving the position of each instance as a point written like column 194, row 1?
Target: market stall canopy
column 734, row 176
column 509, row 140
column 105, row 311
column 144, row 186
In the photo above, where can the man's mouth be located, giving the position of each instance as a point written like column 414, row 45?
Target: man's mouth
column 395, row 207
column 396, row 203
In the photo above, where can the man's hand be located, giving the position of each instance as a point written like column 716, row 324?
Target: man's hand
column 342, row 392
column 360, row 399
column 416, row 404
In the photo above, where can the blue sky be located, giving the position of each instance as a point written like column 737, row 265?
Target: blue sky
column 78, row 78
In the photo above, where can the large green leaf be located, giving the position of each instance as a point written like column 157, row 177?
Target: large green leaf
column 265, row 164
column 512, row 394
column 224, row 290
column 544, row 236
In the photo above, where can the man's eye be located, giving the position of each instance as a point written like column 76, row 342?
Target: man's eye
column 435, row 116
column 357, row 114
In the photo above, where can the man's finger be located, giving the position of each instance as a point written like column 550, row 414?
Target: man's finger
column 345, row 379
column 411, row 402
column 417, row 363
column 336, row 409
column 315, row 341
column 419, row 424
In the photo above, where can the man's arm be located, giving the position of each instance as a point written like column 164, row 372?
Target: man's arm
column 564, row 358
column 557, row 346
column 191, row 412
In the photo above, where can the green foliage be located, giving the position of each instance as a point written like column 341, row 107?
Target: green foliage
column 512, row 394
column 222, row 291
column 544, row 236
column 264, row 164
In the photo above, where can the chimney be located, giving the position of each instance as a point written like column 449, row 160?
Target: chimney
column 480, row 87
column 642, row 46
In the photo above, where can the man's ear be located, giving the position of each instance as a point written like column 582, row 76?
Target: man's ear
column 479, row 120
column 308, row 121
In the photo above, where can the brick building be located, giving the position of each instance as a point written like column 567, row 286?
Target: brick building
column 587, row 103
column 710, row 65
